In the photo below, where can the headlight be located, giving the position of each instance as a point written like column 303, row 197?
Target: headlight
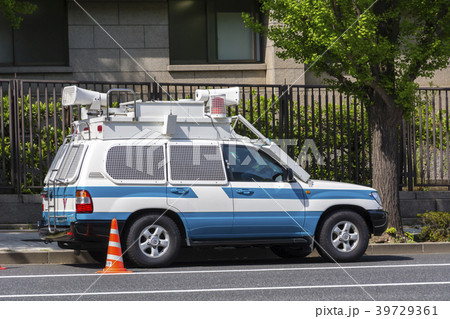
column 376, row 197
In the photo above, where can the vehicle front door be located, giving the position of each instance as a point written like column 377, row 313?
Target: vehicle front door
column 265, row 203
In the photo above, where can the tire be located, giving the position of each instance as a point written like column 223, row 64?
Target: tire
column 343, row 236
column 152, row 241
column 290, row 252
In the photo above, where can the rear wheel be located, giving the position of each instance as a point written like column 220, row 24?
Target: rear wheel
column 289, row 252
column 153, row 241
column 344, row 236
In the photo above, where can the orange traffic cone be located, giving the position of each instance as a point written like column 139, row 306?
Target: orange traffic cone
column 114, row 261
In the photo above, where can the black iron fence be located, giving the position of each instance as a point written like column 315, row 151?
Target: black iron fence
column 328, row 132
column 425, row 150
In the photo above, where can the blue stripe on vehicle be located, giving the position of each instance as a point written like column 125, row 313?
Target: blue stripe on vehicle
column 62, row 192
column 298, row 193
column 258, row 193
column 338, row 194
column 265, row 193
column 124, row 191
column 104, row 216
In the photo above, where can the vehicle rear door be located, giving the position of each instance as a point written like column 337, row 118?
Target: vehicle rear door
column 59, row 193
column 197, row 178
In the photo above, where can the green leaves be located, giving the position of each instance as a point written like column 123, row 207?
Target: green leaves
column 436, row 226
column 367, row 46
column 13, row 10
column 42, row 135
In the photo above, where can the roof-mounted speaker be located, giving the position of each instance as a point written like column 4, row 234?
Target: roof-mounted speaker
column 73, row 95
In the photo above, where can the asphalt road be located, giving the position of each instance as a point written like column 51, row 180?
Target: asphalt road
column 380, row 278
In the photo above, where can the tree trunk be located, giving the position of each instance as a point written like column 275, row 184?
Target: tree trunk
column 385, row 122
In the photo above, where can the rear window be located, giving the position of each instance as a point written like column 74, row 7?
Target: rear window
column 55, row 163
column 67, row 163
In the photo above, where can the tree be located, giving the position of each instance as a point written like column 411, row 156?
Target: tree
column 371, row 50
column 12, row 11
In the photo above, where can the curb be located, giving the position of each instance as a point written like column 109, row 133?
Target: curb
column 211, row 254
column 44, row 257
column 414, row 248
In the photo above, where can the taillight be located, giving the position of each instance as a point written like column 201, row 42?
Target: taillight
column 44, row 198
column 83, row 202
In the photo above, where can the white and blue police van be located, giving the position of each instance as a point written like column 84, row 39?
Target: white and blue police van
column 176, row 174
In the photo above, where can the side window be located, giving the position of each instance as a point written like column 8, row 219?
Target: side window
column 132, row 164
column 196, row 163
column 248, row 164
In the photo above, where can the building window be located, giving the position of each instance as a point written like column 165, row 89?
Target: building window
column 212, row 31
column 41, row 39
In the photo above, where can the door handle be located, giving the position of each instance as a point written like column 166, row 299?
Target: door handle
column 180, row 191
column 245, row 192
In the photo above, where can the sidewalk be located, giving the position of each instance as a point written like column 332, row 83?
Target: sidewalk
column 25, row 247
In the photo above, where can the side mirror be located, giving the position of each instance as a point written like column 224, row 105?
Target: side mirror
column 290, row 175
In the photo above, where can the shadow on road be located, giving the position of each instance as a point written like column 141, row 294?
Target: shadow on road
column 209, row 257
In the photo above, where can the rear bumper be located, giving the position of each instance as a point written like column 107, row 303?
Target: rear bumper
column 379, row 221
column 79, row 235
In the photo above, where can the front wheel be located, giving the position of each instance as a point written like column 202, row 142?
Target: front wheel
column 344, row 236
column 153, row 241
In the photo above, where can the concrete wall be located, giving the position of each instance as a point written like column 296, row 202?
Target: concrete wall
column 20, row 209
column 142, row 29
column 413, row 203
column 280, row 71
column 27, row 209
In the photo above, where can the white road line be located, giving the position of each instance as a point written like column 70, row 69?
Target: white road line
column 228, row 271
column 176, row 291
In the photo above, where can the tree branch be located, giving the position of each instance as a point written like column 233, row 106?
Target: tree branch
column 381, row 91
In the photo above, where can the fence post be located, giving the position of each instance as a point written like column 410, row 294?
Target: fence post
column 409, row 156
column 14, row 135
column 155, row 92
column 284, row 112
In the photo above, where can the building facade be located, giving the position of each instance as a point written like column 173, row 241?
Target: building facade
column 179, row 41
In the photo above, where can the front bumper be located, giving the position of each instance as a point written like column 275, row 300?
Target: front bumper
column 378, row 219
